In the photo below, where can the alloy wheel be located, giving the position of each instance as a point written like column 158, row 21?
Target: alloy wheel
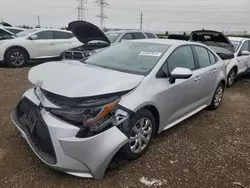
column 218, row 96
column 231, row 78
column 140, row 135
column 17, row 58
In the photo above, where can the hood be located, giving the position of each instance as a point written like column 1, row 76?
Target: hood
column 86, row 32
column 212, row 38
column 74, row 79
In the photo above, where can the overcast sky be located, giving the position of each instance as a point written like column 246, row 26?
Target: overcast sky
column 159, row 15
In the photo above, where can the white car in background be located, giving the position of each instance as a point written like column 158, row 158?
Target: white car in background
column 34, row 44
column 242, row 52
column 236, row 59
column 9, row 32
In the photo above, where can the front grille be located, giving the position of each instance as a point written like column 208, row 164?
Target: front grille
column 74, row 55
column 30, row 121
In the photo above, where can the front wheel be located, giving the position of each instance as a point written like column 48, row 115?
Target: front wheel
column 140, row 134
column 218, row 95
column 16, row 57
column 231, row 77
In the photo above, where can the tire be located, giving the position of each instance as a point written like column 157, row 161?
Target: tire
column 231, row 77
column 138, row 119
column 16, row 58
column 217, row 98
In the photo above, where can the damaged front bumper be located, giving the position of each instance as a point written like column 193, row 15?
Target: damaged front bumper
column 55, row 143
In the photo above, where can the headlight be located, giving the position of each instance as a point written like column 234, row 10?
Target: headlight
column 92, row 117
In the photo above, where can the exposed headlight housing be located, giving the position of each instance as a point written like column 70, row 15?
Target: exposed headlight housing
column 92, row 117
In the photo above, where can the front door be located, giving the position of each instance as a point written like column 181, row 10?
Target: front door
column 43, row 46
column 179, row 99
column 243, row 60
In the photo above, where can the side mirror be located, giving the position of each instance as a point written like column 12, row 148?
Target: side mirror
column 33, row 37
column 180, row 73
column 244, row 53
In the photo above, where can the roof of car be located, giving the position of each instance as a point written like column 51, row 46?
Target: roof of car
column 50, row 29
column 129, row 31
column 169, row 42
column 7, row 27
column 239, row 39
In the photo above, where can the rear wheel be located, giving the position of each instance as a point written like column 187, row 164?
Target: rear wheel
column 16, row 57
column 218, row 95
column 231, row 77
column 140, row 135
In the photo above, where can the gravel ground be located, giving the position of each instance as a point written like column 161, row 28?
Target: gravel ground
column 210, row 149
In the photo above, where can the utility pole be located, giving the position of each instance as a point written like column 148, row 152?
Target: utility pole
column 102, row 16
column 81, row 9
column 141, row 20
column 38, row 21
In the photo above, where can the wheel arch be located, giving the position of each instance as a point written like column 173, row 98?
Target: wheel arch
column 16, row 46
column 155, row 113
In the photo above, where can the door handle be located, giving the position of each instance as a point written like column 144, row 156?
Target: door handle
column 215, row 71
column 197, row 79
column 52, row 44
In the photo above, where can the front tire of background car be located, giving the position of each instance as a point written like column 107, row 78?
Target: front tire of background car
column 231, row 77
column 218, row 96
column 16, row 58
column 140, row 135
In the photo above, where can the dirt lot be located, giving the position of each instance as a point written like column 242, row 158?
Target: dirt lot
column 211, row 149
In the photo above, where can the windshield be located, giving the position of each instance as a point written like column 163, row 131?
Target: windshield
column 112, row 36
column 236, row 44
column 221, row 50
column 130, row 57
column 26, row 32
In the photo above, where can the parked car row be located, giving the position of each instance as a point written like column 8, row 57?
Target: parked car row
column 234, row 51
column 80, row 114
column 102, row 40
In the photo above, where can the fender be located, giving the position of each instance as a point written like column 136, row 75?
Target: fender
column 16, row 46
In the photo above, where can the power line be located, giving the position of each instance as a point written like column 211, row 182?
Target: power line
column 102, row 16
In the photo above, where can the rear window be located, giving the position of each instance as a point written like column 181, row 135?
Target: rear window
column 112, row 36
column 62, row 35
column 150, row 35
column 138, row 35
column 15, row 31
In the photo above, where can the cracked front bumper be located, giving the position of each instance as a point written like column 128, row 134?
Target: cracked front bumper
column 55, row 142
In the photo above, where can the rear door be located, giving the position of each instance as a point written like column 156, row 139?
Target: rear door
column 63, row 41
column 208, row 73
column 243, row 60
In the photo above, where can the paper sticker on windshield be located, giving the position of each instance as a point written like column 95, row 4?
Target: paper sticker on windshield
column 155, row 54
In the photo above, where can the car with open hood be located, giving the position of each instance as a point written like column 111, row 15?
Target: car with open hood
column 95, row 40
column 80, row 114
column 236, row 62
column 242, row 52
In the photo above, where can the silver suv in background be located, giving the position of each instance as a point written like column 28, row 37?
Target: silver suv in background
column 92, row 44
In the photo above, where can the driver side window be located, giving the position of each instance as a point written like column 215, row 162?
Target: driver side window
column 181, row 57
column 245, row 47
column 45, row 35
column 127, row 36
